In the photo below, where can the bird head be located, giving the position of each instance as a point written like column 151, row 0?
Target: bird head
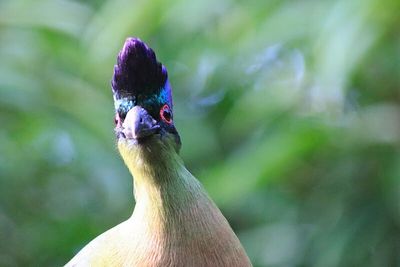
column 143, row 101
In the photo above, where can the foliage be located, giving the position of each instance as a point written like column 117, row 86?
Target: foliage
column 289, row 113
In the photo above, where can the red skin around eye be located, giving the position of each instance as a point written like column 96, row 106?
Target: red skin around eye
column 163, row 110
column 117, row 120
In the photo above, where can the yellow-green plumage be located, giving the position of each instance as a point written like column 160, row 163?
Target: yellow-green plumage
column 174, row 222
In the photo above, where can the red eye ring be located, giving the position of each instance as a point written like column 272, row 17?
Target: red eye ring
column 166, row 114
column 117, row 120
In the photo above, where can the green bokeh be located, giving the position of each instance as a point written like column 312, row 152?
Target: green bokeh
column 289, row 113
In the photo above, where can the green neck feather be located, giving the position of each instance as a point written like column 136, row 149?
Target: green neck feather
column 162, row 184
column 174, row 213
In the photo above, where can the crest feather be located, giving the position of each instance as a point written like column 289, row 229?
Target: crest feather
column 137, row 72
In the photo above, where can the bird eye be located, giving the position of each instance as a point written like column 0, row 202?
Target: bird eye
column 117, row 120
column 166, row 114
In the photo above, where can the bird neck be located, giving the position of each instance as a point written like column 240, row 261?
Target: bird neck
column 174, row 213
column 163, row 187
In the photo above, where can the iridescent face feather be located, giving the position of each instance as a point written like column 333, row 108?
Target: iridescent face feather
column 139, row 79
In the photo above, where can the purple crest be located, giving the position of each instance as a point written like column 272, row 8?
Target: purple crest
column 138, row 76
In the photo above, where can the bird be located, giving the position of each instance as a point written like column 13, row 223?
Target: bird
column 174, row 221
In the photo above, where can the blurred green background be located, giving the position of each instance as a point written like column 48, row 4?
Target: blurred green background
column 289, row 112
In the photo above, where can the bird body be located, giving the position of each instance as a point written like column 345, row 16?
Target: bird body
column 174, row 222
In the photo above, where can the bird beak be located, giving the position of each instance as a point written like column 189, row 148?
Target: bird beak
column 139, row 124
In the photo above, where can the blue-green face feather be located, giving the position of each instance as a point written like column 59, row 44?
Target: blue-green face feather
column 139, row 79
